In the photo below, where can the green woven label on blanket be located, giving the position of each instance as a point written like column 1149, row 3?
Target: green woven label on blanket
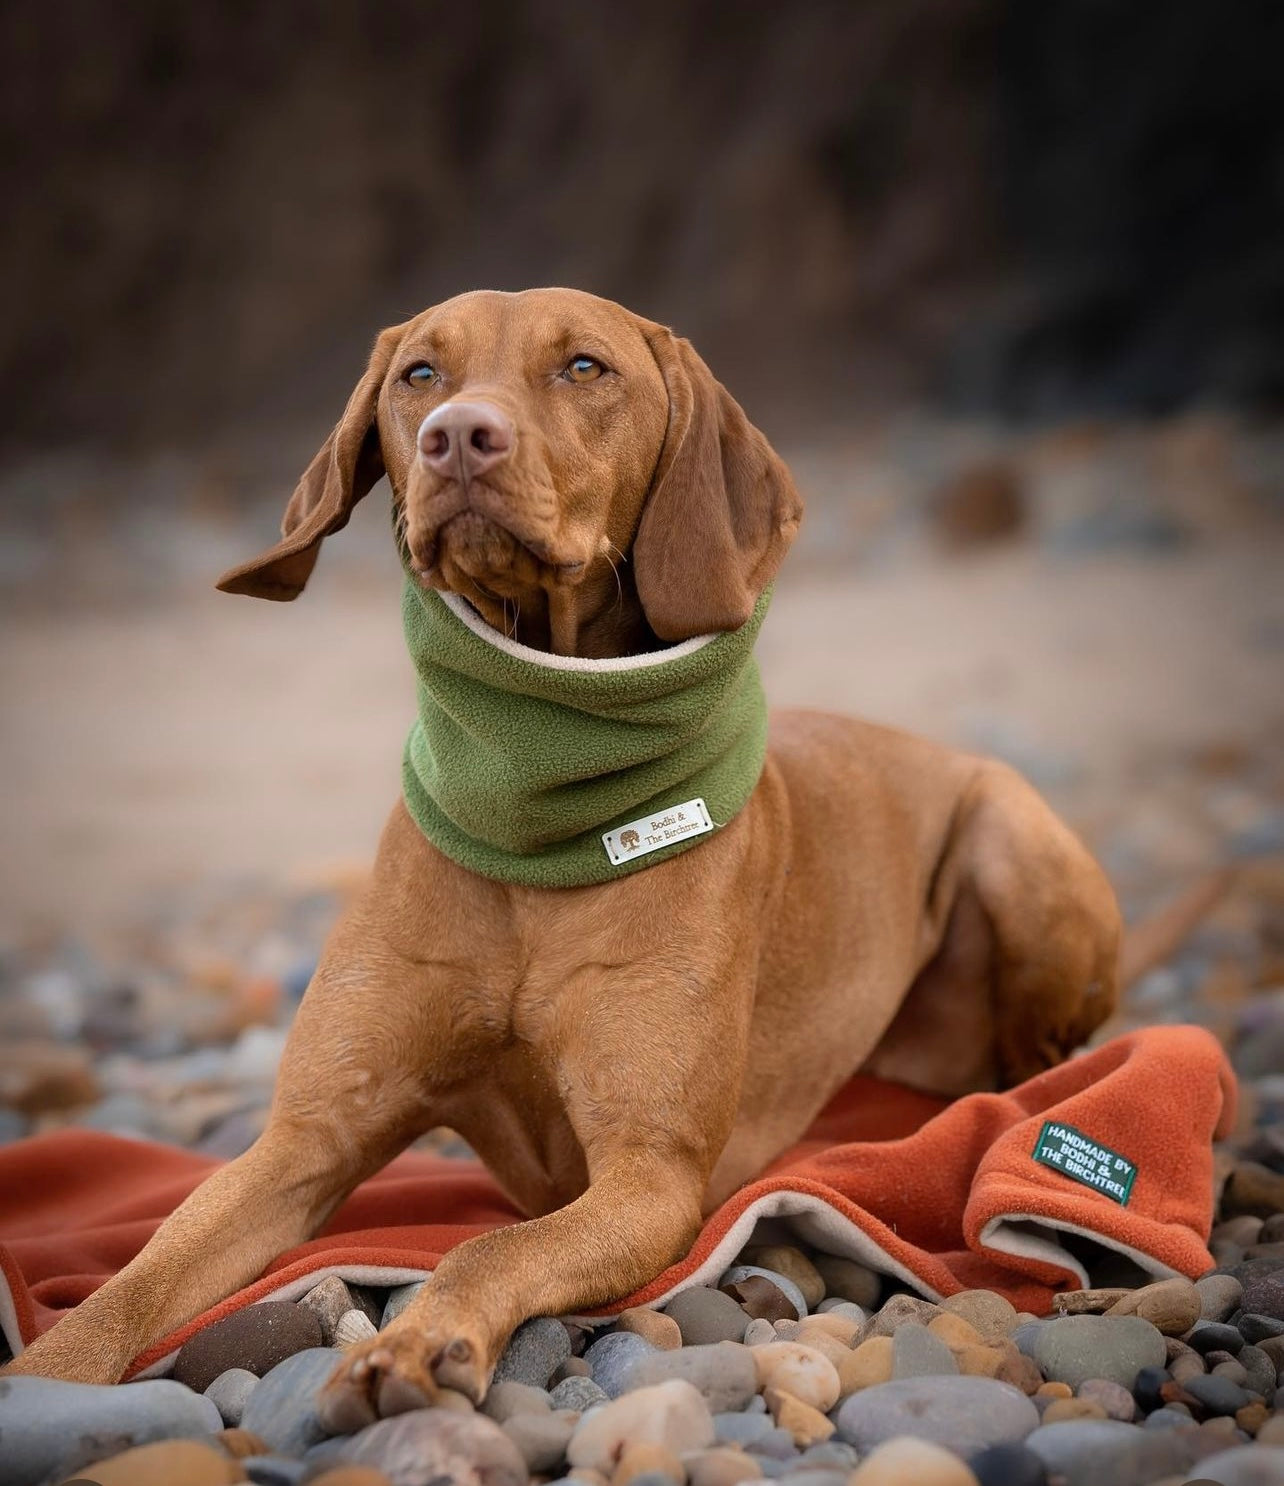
column 1086, row 1161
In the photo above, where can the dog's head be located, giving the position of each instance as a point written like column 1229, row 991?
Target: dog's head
column 562, row 463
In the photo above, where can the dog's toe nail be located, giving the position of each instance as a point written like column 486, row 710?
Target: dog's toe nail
column 398, row 1395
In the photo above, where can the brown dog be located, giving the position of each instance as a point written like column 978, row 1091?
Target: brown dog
column 623, row 1056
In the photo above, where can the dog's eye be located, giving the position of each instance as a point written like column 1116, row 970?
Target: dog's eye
column 421, row 375
column 583, row 369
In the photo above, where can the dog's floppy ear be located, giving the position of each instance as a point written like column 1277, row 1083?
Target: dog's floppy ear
column 345, row 468
column 722, row 509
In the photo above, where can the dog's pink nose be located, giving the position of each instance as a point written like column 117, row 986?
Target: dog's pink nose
column 465, row 439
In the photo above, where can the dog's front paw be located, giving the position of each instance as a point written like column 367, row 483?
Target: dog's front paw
column 402, row 1368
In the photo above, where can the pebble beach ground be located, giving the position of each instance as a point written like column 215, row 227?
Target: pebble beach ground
column 166, row 1022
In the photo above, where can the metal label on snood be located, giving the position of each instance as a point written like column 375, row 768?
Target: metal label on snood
column 1086, row 1161
column 677, row 823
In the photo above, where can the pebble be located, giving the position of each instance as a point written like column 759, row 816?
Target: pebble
column 806, row 1425
column 763, row 1299
column 282, row 1409
column 255, row 1338
column 916, row 1353
column 1008, row 1465
column 1094, row 1302
column 720, row 1466
column 534, row 1353
column 427, row 1446
column 660, row 1330
column 806, row 1373
column 725, row 1374
column 1254, row 1327
column 1264, row 1293
column 842, row 1329
column 398, row 1300
column 672, row 1414
column 1073, row 1349
column 1171, row 1306
column 1220, row 1295
column 541, row 1438
column 759, row 1332
column 612, row 1357
column 965, row 1414
column 167, row 1463
column 273, row 1470
column 1253, row 1190
column 1217, row 1395
column 1061, row 1409
column 240, row 1443
column 991, row 1315
column 794, row 1265
column 735, row 1428
column 1261, row 1372
column 741, row 1272
column 650, row 1463
column 1245, row 1465
column 898, row 1310
column 1213, row 1336
column 849, row 1280
column 580, row 1394
column 350, row 1475
column 352, row 1327
column 869, row 1364
column 504, row 1400
column 1090, row 1452
column 1115, row 1399
column 328, row 1301
column 899, row 1461
column 705, row 1315
column 229, row 1391
column 50, row 1428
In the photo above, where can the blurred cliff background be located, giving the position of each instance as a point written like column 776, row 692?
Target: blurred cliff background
column 1004, row 281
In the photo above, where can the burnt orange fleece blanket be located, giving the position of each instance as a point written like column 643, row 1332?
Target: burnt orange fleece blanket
column 1002, row 1191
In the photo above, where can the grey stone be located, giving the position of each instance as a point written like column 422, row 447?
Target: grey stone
column 917, row 1353
column 577, row 1393
column 1259, row 1368
column 399, row 1299
column 963, row 1414
column 724, row 1373
column 773, row 1444
column 1264, row 1288
column 273, row 1470
column 503, row 1400
column 733, row 1428
column 229, row 1391
column 611, row 1358
column 848, row 1309
column 783, row 1283
column 1116, row 1400
column 1008, row 1465
column 328, row 1301
column 282, row 1409
column 1073, row 1349
column 541, row 1438
column 1171, row 1416
column 1254, row 1327
column 705, row 1315
column 830, row 1453
column 534, row 1353
column 1089, row 1452
column 1218, row 1395
column 1026, row 1336
column 1245, row 1465
column 1219, row 1295
column 1213, row 1336
column 50, row 1429
column 428, row 1446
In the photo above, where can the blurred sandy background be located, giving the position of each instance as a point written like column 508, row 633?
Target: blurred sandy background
column 1004, row 282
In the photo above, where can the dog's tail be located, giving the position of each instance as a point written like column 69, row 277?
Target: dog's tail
column 1156, row 939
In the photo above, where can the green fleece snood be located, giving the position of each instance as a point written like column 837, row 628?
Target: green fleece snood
column 520, row 762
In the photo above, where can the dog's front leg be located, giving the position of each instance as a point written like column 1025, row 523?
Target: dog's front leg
column 652, row 1079
column 350, row 1095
